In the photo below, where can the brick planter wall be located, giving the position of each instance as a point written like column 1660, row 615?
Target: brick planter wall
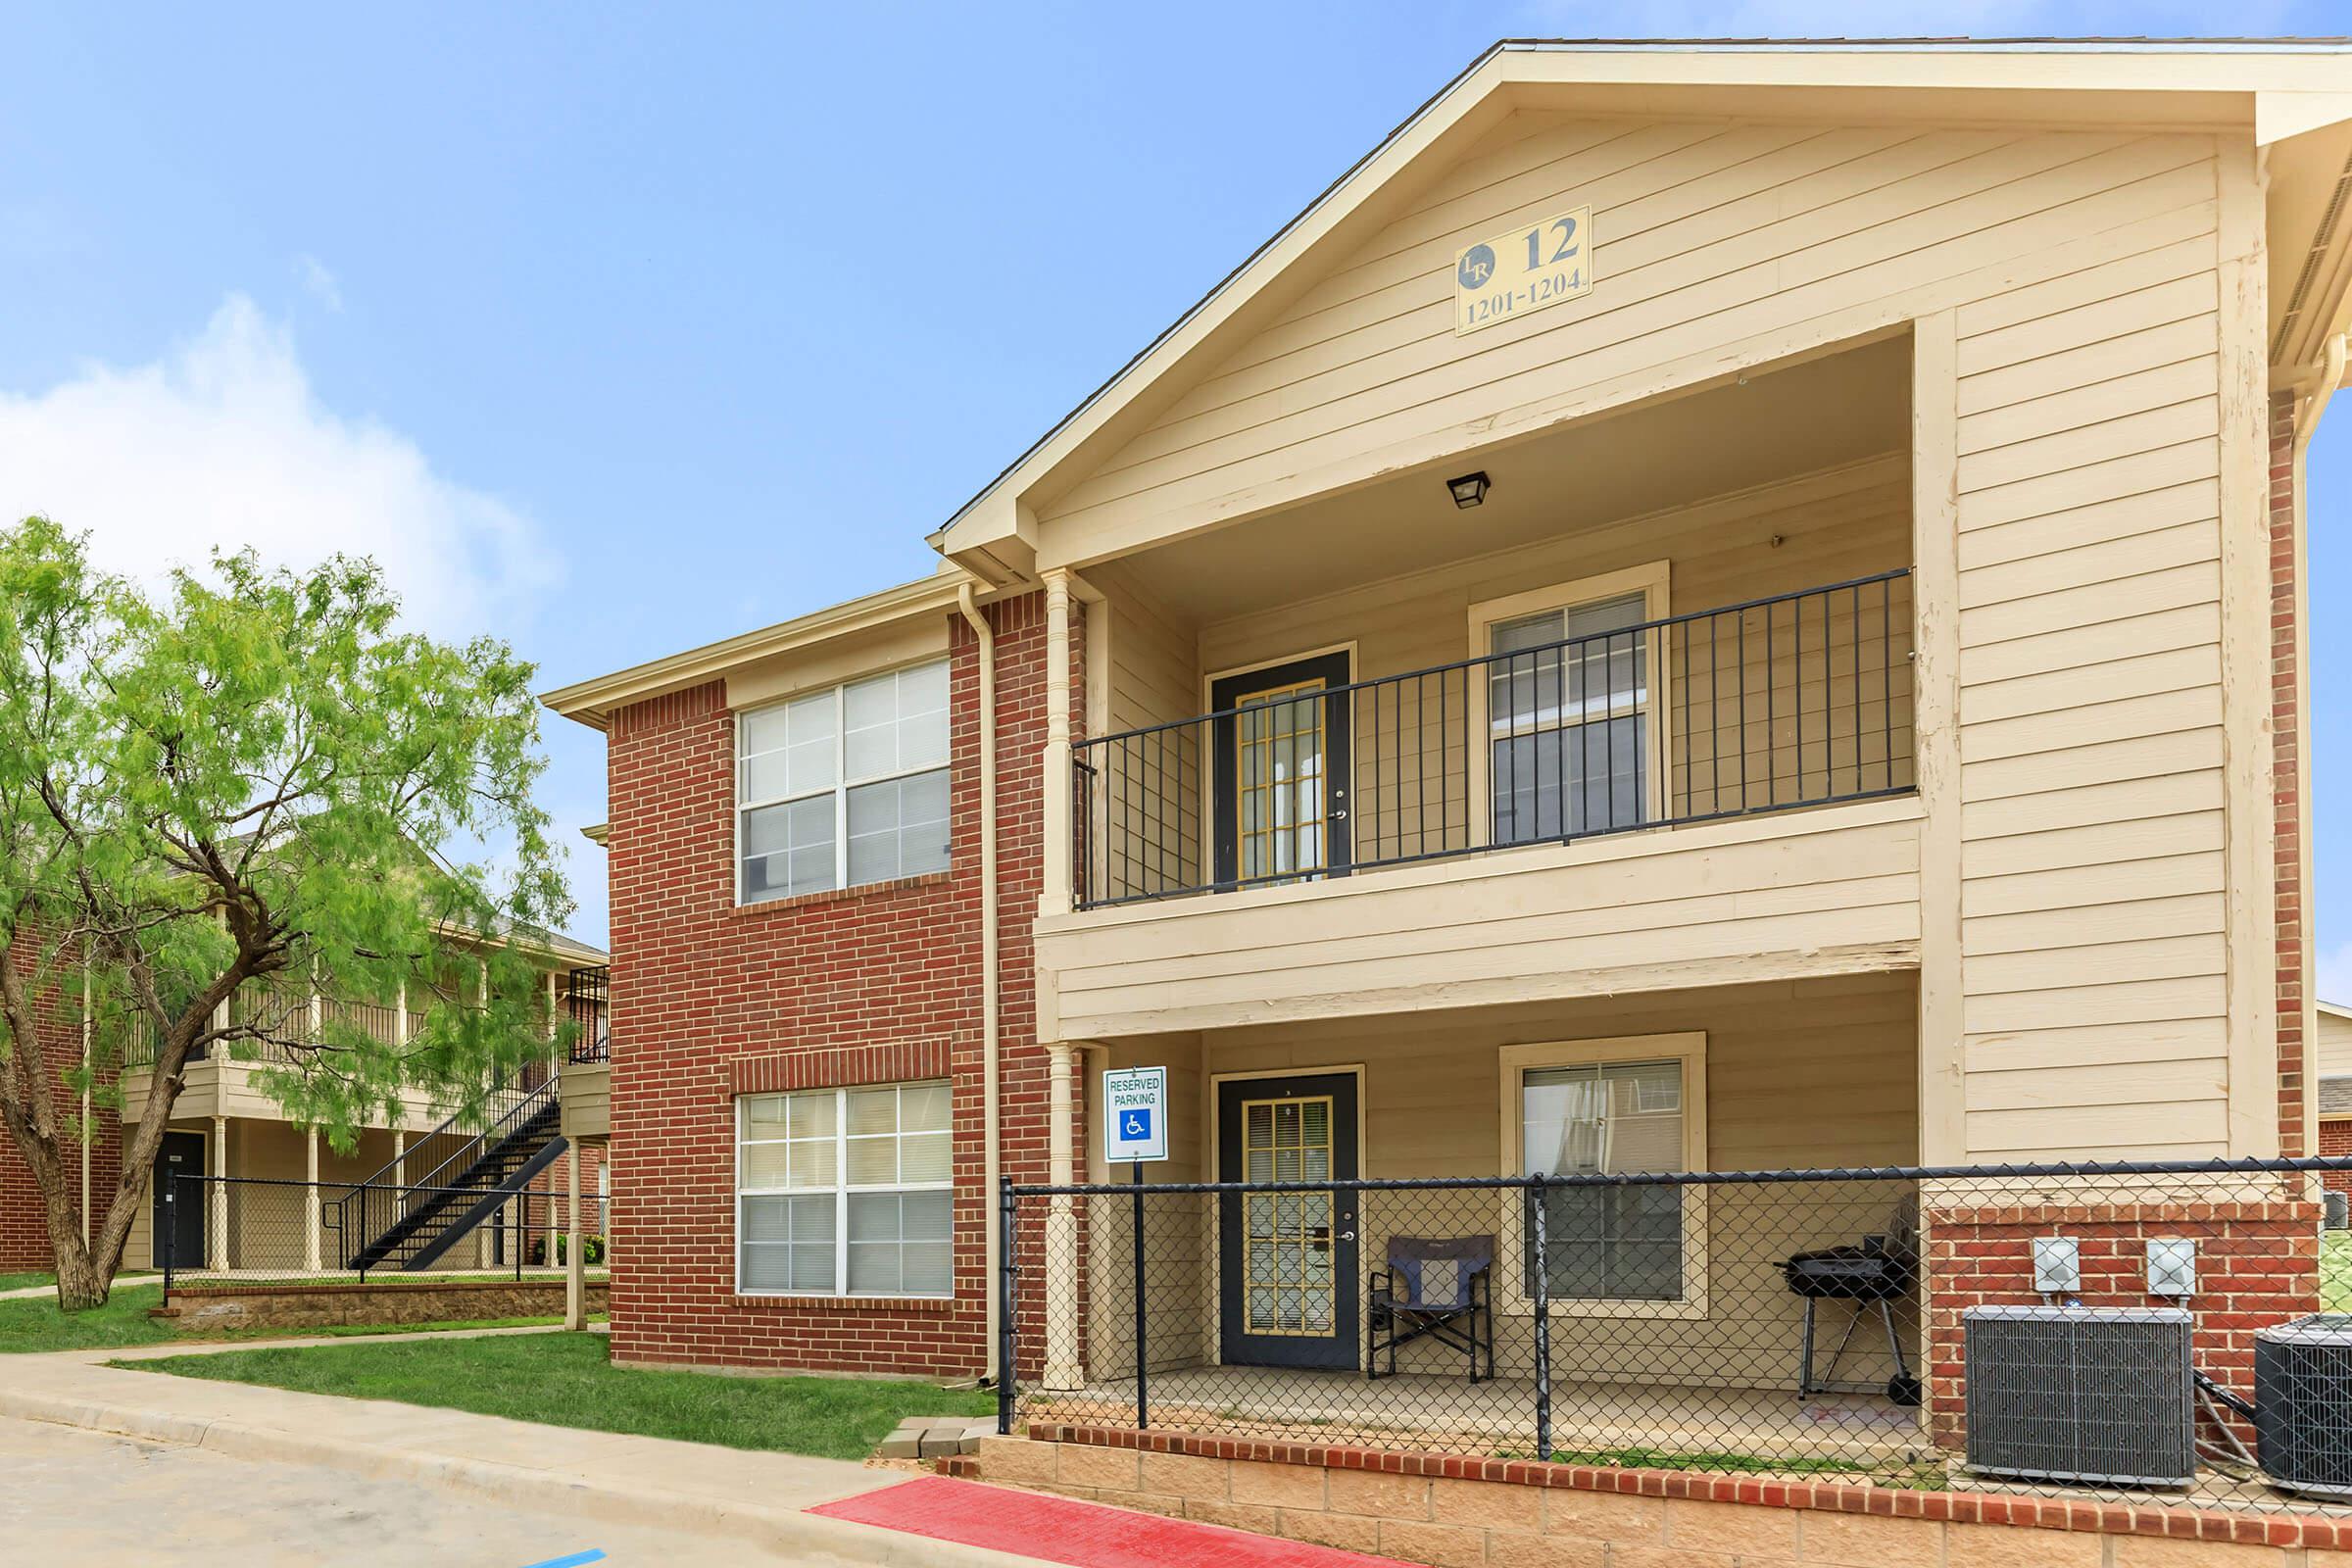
column 2257, row 1264
column 1446, row 1512
column 860, row 985
column 309, row 1307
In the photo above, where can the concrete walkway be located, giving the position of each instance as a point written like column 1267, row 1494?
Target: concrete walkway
column 693, row 1487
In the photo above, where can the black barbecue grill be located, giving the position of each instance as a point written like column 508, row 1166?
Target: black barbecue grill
column 1876, row 1273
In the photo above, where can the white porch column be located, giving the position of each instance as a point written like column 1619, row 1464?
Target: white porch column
column 309, row 1202
column 1054, row 898
column 1063, row 1365
column 576, row 1283
column 400, row 1158
column 483, row 1233
column 215, row 1225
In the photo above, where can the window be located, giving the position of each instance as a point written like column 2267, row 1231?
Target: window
column 1612, row 1108
column 844, row 1192
column 844, row 786
column 1568, row 721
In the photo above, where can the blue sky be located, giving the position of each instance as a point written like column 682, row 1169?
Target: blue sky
column 616, row 330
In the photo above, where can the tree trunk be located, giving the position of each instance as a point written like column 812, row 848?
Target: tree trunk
column 81, row 1287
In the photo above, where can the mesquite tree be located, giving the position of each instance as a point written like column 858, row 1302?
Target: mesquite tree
column 248, row 781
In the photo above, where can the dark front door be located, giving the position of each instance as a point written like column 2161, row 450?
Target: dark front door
column 1282, row 772
column 1287, row 1292
column 181, row 1219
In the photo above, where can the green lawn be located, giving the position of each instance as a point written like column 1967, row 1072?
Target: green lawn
column 564, row 1379
column 2335, row 1271
column 35, row 1324
column 22, row 1282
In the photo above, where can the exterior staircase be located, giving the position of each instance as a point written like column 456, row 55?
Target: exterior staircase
column 484, row 1161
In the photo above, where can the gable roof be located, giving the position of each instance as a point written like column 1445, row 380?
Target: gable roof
column 2287, row 88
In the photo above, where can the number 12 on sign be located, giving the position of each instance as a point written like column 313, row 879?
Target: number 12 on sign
column 1526, row 269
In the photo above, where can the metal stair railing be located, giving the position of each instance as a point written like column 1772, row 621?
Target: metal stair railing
column 387, row 1212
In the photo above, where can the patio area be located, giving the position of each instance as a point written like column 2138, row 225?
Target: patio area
column 1741, row 1430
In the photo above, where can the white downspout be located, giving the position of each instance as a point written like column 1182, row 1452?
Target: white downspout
column 2307, row 421
column 991, row 1158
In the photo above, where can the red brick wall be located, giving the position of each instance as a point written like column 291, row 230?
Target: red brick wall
column 2257, row 1264
column 546, row 1211
column 703, row 993
column 2286, row 786
column 24, row 1235
column 2335, row 1142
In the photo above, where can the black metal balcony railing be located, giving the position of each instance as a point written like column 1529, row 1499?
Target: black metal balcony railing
column 1801, row 698
column 587, row 1004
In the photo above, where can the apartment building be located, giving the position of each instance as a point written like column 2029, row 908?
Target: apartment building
column 275, row 1208
column 1701, row 609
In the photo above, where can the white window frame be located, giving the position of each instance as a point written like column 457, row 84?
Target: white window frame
column 1689, row 1052
column 843, row 1189
column 1654, row 582
column 843, row 783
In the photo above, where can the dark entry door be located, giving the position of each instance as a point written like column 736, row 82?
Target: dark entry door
column 181, row 1154
column 1281, row 779
column 1287, row 1275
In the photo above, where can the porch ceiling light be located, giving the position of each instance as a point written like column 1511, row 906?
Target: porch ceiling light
column 1468, row 490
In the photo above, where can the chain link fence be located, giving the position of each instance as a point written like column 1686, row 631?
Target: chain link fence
column 234, row 1232
column 2164, row 1332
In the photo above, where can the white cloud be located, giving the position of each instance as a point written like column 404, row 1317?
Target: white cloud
column 223, row 441
column 318, row 281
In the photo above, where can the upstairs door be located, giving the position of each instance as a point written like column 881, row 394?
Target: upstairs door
column 1282, row 772
column 1287, row 1260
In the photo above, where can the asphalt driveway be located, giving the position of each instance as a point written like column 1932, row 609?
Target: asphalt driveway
column 72, row 1496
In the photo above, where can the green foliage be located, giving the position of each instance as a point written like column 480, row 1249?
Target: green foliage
column 252, row 783
column 592, row 1250
column 564, row 1379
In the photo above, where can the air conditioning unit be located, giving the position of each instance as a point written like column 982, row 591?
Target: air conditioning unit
column 2094, row 1394
column 2303, row 1403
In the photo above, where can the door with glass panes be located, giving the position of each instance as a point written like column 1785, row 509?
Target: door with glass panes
column 1287, row 1260
column 1282, row 772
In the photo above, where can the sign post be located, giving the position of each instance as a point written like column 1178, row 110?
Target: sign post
column 1135, row 1129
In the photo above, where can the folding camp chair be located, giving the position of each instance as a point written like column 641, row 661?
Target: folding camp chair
column 1434, row 1288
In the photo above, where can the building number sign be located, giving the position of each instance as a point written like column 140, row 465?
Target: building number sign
column 1530, row 267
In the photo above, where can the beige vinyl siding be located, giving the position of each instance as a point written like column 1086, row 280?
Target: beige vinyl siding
column 1178, row 1242
column 2334, row 1044
column 2089, row 413
column 1152, row 681
column 586, row 1095
column 1818, row 1072
column 2093, row 798
column 1706, row 237
column 1821, row 892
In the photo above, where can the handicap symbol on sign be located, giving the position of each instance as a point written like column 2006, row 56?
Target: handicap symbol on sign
column 1135, row 1126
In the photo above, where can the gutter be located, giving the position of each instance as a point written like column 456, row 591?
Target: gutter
column 991, row 1031
column 2307, row 417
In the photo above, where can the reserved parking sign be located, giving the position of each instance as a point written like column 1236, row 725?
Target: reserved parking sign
column 1135, row 1114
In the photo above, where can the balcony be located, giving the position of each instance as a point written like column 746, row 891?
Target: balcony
column 586, row 1087
column 1640, row 719
column 1774, row 705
